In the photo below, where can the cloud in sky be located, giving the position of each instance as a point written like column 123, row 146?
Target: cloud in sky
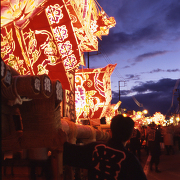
column 117, row 41
column 162, row 70
column 173, row 15
column 163, row 85
column 141, row 57
column 145, row 44
column 141, row 22
column 137, row 77
column 155, row 96
column 132, row 77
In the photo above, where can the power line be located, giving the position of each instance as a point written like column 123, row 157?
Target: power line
column 108, row 60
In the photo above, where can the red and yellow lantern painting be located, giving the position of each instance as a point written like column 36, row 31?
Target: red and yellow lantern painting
column 111, row 111
column 92, row 91
column 89, row 22
column 48, row 36
column 41, row 43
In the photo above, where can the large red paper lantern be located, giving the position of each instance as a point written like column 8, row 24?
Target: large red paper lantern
column 93, row 91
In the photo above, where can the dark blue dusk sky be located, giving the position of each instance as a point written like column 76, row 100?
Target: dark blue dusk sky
column 145, row 44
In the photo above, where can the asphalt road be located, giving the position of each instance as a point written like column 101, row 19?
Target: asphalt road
column 169, row 166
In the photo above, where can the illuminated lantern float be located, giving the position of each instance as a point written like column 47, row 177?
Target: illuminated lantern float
column 92, row 93
column 48, row 37
column 111, row 111
column 40, row 41
column 45, row 39
column 41, row 38
column 39, row 113
column 158, row 118
column 89, row 22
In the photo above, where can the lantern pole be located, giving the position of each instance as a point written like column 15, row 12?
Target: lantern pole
column 88, row 59
column 178, row 102
column 119, row 109
column 88, row 55
column 119, row 90
column 119, row 84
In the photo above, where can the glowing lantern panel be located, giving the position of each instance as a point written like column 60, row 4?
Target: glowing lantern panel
column 92, row 92
column 158, row 118
column 47, row 37
column 89, row 22
column 111, row 111
column 46, row 40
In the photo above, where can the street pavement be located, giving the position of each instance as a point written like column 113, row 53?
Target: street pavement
column 169, row 166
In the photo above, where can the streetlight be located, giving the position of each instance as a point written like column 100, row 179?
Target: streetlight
column 145, row 111
column 119, row 109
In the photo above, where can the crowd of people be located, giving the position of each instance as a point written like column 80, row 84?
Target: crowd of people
column 107, row 160
column 122, row 153
column 103, row 160
column 120, row 157
column 153, row 139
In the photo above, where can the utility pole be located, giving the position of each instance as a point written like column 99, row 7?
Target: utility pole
column 91, row 55
column 119, row 91
column 120, row 85
column 179, row 101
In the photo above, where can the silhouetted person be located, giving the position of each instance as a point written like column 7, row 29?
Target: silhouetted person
column 143, row 134
column 168, row 140
column 154, row 139
column 135, row 143
column 109, row 160
column 39, row 158
column 177, row 135
column 103, row 120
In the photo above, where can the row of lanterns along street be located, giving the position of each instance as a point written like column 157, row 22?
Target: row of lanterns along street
column 141, row 118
